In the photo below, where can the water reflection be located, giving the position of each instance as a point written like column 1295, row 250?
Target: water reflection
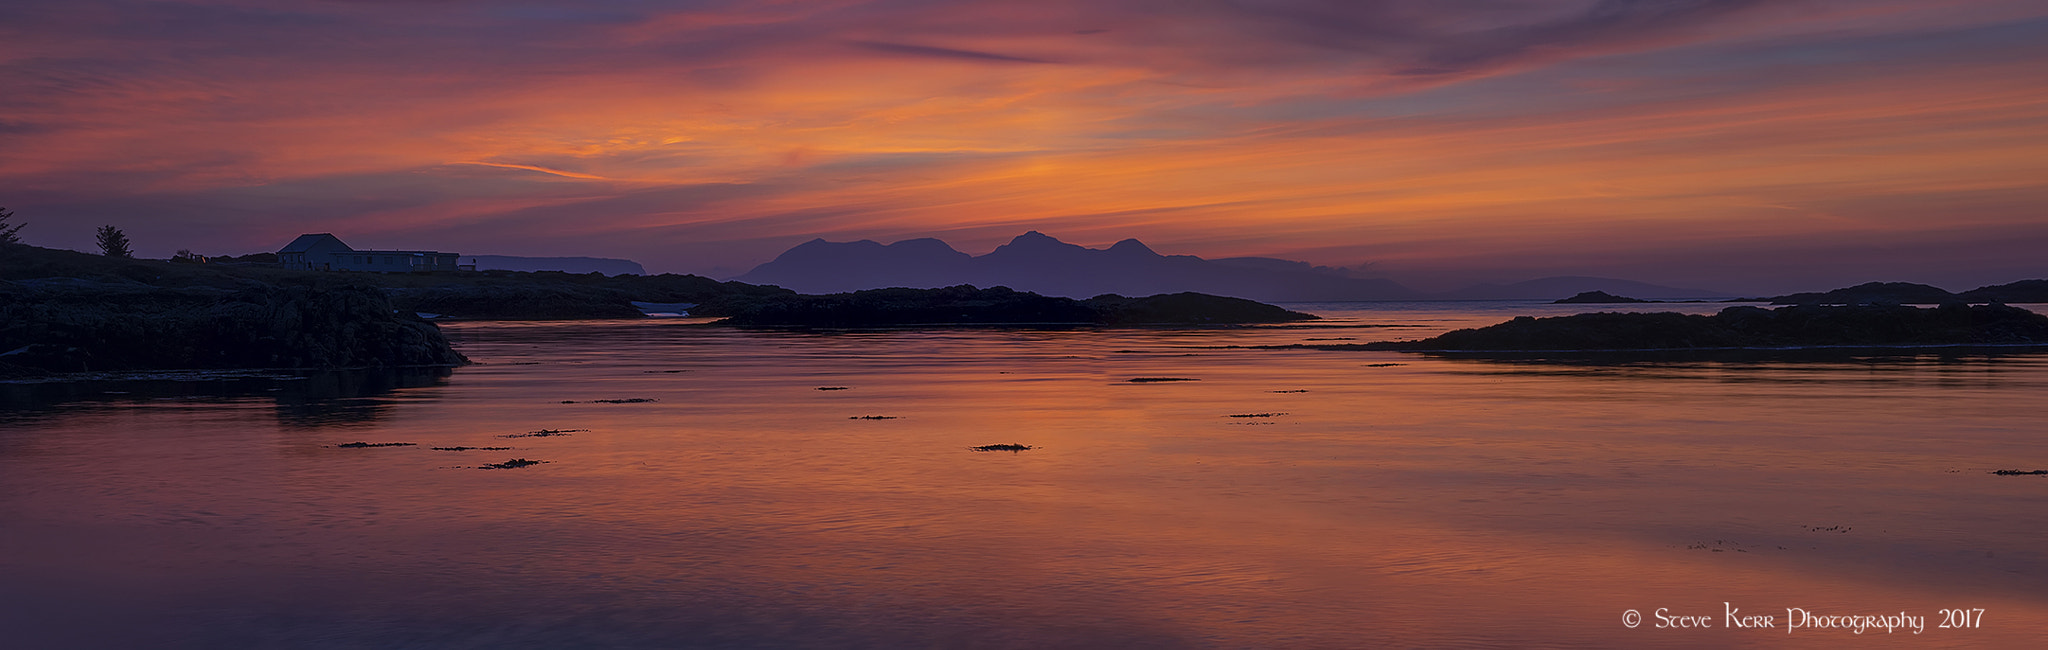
column 302, row 399
column 1388, row 499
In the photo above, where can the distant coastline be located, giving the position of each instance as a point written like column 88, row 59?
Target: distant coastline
column 71, row 312
column 62, row 311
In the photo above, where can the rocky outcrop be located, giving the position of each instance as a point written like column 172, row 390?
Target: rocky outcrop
column 1597, row 298
column 77, row 327
column 1752, row 327
column 1187, row 308
column 967, row 305
column 1872, row 293
column 2030, row 291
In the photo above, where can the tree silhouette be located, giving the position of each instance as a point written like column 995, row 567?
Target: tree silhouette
column 7, row 233
column 113, row 243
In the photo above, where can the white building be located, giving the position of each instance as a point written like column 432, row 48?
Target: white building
column 325, row 252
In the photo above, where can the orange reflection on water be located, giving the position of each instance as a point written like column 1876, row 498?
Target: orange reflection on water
column 1435, row 502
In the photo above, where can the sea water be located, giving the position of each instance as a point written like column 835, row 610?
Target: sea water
column 701, row 486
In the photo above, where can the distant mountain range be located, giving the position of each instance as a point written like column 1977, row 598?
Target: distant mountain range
column 1041, row 264
column 605, row 265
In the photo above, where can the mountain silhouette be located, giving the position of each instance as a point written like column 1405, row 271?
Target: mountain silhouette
column 1041, row 264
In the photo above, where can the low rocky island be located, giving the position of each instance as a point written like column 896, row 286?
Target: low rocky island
column 968, row 305
column 1598, row 298
column 1862, row 326
column 1907, row 293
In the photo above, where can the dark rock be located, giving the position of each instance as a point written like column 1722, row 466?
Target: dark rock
column 1751, row 327
column 88, row 326
column 1872, row 293
column 968, row 305
column 2031, row 291
column 515, row 463
column 1155, row 380
column 1597, row 297
column 1187, row 309
column 470, row 448
column 366, row 445
column 544, row 433
column 1012, row 447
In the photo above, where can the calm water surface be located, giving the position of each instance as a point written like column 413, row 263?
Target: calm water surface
column 1377, row 499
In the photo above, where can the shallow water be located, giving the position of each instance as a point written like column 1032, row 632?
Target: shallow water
column 1375, row 499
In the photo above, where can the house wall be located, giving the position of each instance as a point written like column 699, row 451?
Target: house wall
column 330, row 254
column 312, row 257
column 389, row 261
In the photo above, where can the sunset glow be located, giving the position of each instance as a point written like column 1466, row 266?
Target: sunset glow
column 1744, row 146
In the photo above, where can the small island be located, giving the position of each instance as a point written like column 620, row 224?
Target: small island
column 1598, row 298
column 1805, row 326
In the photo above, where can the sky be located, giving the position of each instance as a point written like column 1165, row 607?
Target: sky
column 1736, row 145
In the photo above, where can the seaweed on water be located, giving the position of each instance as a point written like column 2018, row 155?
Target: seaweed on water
column 470, row 448
column 515, row 463
column 544, row 433
column 1012, row 448
column 1255, row 415
column 1297, row 390
column 1383, row 365
column 2020, row 472
column 1154, row 380
column 831, row 388
column 872, row 417
column 365, row 445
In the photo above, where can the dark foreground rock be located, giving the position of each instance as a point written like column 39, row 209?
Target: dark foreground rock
column 80, row 326
column 1954, row 324
column 967, row 305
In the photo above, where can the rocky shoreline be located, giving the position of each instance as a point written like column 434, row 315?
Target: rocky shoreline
column 82, row 328
column 1734, row 328
column 68, row 312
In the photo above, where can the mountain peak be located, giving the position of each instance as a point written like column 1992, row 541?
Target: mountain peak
column 1132, row 247
column 1035, row 242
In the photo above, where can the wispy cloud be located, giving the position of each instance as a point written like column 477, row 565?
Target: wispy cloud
column 943, row 52
column 713, row 133
column 532, row 168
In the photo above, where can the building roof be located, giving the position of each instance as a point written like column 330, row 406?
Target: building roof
column 306, row 242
